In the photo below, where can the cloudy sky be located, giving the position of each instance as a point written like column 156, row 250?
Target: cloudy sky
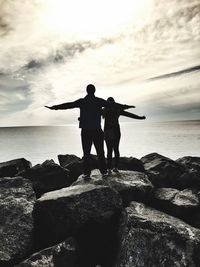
column 145, row 53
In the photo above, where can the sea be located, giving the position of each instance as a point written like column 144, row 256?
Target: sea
column 173, row 139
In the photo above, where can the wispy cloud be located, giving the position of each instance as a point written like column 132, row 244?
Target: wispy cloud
column 39, row 65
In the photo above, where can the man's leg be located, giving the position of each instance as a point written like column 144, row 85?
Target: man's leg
column 86, row 145
column 98, row 140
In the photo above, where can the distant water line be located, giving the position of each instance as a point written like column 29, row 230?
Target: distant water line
column 39, row 143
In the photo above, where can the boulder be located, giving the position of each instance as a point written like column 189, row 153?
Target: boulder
column 75, row 164
column 17, row 199
column 153, row 238
column 47, row 176
column 61, row 255
column 162, row 171
column 191, row 178
column 12, row 167
column 183, row 204
column 130, row 163
column 59, row 214
column 131, row 185
column 67, row 159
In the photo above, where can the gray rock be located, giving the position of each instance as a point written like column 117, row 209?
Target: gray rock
column 131, row 185
column 47, row 176
column 162, row 171
column 62, row 213
column 191, row 178
column 67, row 159
column 17, row 199
column 130, row 163
column 75, row 164
column 12, row 167
column 153, row 238
column 61, row 255
column 182, row 204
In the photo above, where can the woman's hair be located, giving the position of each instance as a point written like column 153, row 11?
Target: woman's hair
column 111, row 99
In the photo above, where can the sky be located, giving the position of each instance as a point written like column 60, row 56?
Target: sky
column 144, row 53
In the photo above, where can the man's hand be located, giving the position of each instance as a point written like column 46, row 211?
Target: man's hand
column 143, row 117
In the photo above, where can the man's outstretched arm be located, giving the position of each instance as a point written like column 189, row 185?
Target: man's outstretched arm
column 69, row 105
column 131, row 115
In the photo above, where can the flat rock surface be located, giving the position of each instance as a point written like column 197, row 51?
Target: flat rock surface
column 131, row 185
column 153, row 238
column 17, row 199
column 61, row 213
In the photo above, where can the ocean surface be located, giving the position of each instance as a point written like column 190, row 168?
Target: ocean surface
column 38, row 143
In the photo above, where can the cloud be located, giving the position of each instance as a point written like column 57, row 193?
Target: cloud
column 41, row 66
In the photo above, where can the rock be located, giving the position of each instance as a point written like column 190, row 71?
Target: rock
column 131, row 185
column 17, row 199
column 61, row 255
column 191, row 178
column 12, row 167
column 153, row 238
column 131, row 164
column 47, row 176
column 75, row 165
column 182, row 204
column 59, row 214
column 67, row 159
column 162, row 171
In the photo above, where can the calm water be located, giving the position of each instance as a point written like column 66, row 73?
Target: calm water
column 171, row 139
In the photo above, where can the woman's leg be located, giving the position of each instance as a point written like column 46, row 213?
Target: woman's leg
column 116, row 148
column 109, row 153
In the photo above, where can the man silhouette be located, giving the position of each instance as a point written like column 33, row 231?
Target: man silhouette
column 90, row 123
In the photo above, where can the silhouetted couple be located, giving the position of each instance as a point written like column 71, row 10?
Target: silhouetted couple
column 91, row 110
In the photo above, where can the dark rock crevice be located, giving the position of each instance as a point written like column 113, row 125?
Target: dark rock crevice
column 99, row 242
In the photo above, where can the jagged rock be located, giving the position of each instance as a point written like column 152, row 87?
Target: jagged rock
column 131, row 185
column 131, row 164
column 61, row 255
column 17, row 199
column 153, row 238
column 48, row 176
column 75, row 165
column 67, row 159
column 61, row 213
column 162, row 171
column 12, row 167
column 191, row 178
column 182, row 204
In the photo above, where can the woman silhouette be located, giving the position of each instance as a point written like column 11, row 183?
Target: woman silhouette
column 112, row 133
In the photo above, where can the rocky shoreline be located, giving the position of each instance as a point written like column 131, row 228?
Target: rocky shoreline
column 147, row 215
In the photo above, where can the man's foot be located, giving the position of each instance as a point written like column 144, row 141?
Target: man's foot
column 115, row 170
column 105, row 175
column 109, row 171
column 86, row 177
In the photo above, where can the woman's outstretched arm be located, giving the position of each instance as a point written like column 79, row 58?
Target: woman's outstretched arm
column 131, row 115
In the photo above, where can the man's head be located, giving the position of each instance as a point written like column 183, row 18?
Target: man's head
column 90, row 89
column 111, row 100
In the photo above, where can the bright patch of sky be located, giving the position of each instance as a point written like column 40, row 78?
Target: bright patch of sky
column 51, row 49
